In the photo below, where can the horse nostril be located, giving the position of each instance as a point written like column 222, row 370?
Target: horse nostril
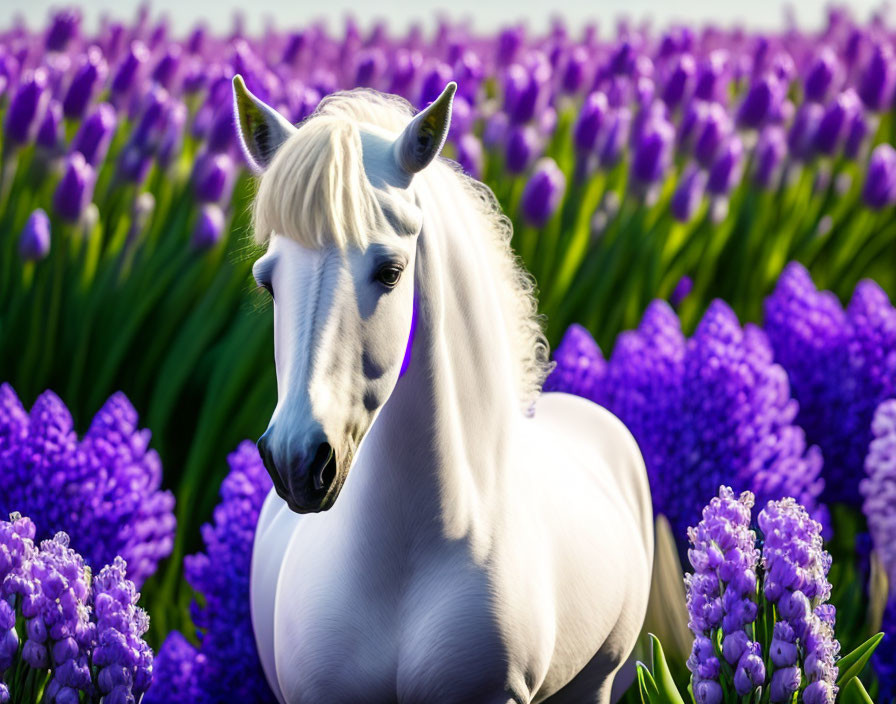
column 323, row 466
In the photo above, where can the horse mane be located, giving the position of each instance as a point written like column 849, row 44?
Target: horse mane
column 316, row 192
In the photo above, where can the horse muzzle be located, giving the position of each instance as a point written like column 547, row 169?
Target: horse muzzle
column 308, row 481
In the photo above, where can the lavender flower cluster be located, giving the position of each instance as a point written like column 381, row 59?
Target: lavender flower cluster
column 879, row 491
column 712, row 409
column 841, row 365
column 725, row 608
column 225, row 666
column 65, row 635
column 103, row 490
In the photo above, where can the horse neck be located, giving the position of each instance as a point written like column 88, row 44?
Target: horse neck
column 445, row 431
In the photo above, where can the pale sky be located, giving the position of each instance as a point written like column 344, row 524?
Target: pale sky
column 486, row 15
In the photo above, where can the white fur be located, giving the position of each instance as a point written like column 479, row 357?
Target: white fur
column 475, row 553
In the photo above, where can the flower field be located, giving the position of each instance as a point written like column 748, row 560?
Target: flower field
column 708, row 214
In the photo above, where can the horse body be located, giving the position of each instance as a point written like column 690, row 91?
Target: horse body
column 476, row 553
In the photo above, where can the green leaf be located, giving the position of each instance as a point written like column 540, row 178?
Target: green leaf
column 855, row 693
column 647, row 685
column 851, row 665
column 668, row 691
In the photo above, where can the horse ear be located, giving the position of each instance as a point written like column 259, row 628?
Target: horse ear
column 261, row 128
column 423, row 138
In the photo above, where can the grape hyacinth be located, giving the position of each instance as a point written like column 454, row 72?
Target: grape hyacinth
column 81, row 639
column 706, row 410
column 225, row 667
column 732, row 619
column 103, row 490
column 841, row 365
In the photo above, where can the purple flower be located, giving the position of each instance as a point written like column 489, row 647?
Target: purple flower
column 615, row 138
column 543, row 192
column 227, row 667
column 591, row 118
column 90, row 73
column 834, row 121
column 726, row 168
column 526, row 88
column 688, row 193
column 469, row 155
column 709, row 74
column 213, row 177
column 785, row 682
column 574, row 71
column 95, row 133
column 682, row 291
column 762, row 101
column 34, row 242
column 680, row 78
column 104, row 490
column 770, row 150
column 174, row 673
column 126, row 73
column 209, row 227
column 522, row 146
column 820, row 75
column 841, row 366
column 880, row 182
column 166, row 68
column 879, row 487
column 876, row 84
column 653, row 150
column 49, row 134
column 703, row 410
column 885, row 656
column 856, row 133
column 25, row 106
column 63, row 28
column 711, row 133
column 75, row 190
column 801, row 136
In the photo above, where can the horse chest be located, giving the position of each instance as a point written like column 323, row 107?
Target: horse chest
column 368, row 629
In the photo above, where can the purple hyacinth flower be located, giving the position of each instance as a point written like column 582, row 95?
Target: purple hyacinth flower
column 522, row 146
column 761, row 102
column 34, row 242
column 526, row 88
column 801, row 137
column 209, row 227
column 653, row 150
column 25, row 106
column 726, row 169
column 679, row 80
column 770, row 150
column 879, row 487
column 90, row 73
column 785, row 682
column 543, row 192
column 616, row 136
column 682, row 290
column 573, row 77
column 166, row 68
column 49, row 133
column 833, row 123
column 95, row 134
column 580, row 365
column 370, row 64
column 433, row 82
column 591, row 118
column 213, row 177
column 404, row 65
column 711, row 132
column 710, row 71
column 174, row 673
column 126, row 74
column 75, row 190
column 688, row 194
column 876, row 84
column 856, row 135
column 820, row 75
column 469, row 155
column 64, row 26
column 880, row 182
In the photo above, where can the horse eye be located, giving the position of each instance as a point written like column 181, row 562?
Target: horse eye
column 389, row 275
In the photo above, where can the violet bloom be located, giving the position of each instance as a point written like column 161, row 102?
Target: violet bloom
column 209, row 227
column 711, row 132
column 25, row 106
column 688, row 193
column 95, row 134
column 469, row 155
column 653, row 150
column 573, row 77
column 702, row 410
column 770, row 150
column 433, row 82
column 90, row 73
column 801, row 137
column 521, row 148
column 678, row 82
column 876, row 84
column 75, row 190
column 591, row 118
column 526, row 88
column 126, row 73
column 227, row 667
column 174, row 673
column 370, row 64
column 856, row 134
column 761, row 102
column 839, row 365
column 34, row 242
column 213, row 177
column 166, row 68
column 880, row 181
column 404, row 65
column 820, row 75
column 710, row 71
column 830, row 131
column 580, row 365
column 104, row 489
column 885, row 656
column 879, row 487
column 726, row 169
column 682, row 290
column 64, row 26
column 615, row 137
column 720, row 595
column 543, row 192
column 49, row 133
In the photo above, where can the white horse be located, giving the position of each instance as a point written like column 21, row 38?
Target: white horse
column 488, row 545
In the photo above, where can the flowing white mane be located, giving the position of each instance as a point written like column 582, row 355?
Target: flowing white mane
column 316, row 192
